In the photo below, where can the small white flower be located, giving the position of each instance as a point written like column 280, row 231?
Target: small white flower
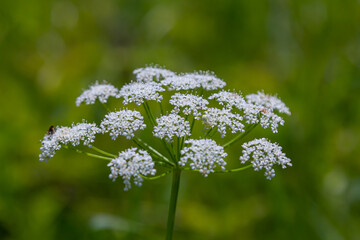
column 203, row 155
column 207, row 80
column 268, row 102
column 124, row 122
column 138, row 92
column 100, row 91
column 260, row 107
column 188, row 104
column 229, row 99
column 132, row 164
column 80, row 132
column 264, row 155
column 148, row 74
column 181, row 82
column 189, row 81
column 171, row 125
column 223, row 119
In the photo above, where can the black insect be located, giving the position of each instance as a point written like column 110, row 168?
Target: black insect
column 51, row 131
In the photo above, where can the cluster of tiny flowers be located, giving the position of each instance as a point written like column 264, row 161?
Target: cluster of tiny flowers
column 264, row 155
column 229, row 99
column 191, row 81
column 81, row 132
column 269, row 102
column 204, row 155
column 207, row 80
column 132, row 163
column 260, row 109
column 124, row 122
column 189, row 104
column 138, row 92
column 171, row 125
column 181, row 82
column 222, row 119
column 148, row 74
column 100, row 91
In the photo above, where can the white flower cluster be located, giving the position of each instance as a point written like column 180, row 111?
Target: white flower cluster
column 81, row 132
column 260, row 109
column 207, row 80
column 264, row 155
column 189, row 103
column 268, row 102
column 138, row 92
column 223, row 118
column 204, row 155
column 148, row 74
column 100, row 91
column 191, row 81
column 229, row 99
column 124, row 122
column 132, row 163
column 181, row 82
column 171, row 125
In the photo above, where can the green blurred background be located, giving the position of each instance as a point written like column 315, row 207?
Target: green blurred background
column 308, row 52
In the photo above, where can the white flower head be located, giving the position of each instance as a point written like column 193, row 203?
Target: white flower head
column 97, row 91
column 207, row 80
column 188, row 104
column 123, row 122
column 203, row 155
column 268, row 102
column 229, row 99
column 260, row 108
column 223, row 119
column 138, row 92
column 264, row 155
column 257, row 114
column 76, row 134
column 180, row 82
column 171, row 125
column 132, row 164
column 148, row 74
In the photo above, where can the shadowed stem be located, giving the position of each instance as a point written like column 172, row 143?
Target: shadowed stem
column 173, row 200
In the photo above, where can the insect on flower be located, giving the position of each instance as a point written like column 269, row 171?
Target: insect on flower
column 51, row 130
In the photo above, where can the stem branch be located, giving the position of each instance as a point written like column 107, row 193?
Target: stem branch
column 240, row 136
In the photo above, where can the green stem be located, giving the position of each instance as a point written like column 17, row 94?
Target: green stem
column 156, row 177
column 161, row 109
column 173, row 200
column 220, row 171
column 103, row 152
column 240, row 136
column 146, row 146
column 106, row 107
column 208, row 132
column 149, row 115
column 163, row 141
column 235, row 170
column 90, row 154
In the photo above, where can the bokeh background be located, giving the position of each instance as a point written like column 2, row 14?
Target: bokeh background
column 308, row 52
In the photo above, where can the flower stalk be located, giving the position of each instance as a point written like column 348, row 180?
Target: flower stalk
column 173, row 202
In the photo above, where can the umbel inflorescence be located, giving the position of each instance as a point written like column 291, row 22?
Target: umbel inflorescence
column 192, row 120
